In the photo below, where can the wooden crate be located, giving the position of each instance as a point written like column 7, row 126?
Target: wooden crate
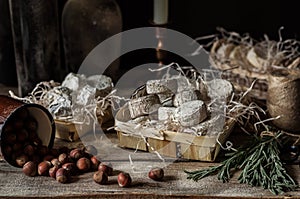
column 169, row 143
column 66, row 130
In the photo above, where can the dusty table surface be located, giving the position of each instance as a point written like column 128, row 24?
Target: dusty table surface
column 14, row 184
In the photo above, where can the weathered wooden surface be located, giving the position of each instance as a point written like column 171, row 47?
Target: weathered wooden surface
column 13, row 183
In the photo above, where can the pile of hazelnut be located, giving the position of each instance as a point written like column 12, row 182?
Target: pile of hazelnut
column 22, row 147
column 63, row 163
column 77, row 161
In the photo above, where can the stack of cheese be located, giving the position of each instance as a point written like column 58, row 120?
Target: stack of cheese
column 179, row 102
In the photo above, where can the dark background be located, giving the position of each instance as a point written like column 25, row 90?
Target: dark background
column 198, row 18
column 195, row 18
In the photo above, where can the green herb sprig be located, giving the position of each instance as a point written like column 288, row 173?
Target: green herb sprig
column 260, row 164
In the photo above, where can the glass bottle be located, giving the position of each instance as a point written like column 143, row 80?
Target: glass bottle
column 85, row 24
column 35, row 32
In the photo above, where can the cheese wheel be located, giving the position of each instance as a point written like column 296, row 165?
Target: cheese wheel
column 161, row 86
column 191, row 113
column 219, row 88
column 166, row 99
column 184, row 83
column 185, row 96
column 165, row 113
column 143, row 105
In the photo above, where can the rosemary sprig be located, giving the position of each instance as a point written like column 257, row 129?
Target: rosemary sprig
column 260, row 165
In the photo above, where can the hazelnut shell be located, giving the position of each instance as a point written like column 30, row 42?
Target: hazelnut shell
column 43, row 168
column 100, row 177
column 30, row 168
column 124, row 179
column 106, row 168
column 62, row 175
column 83, row 164
column 156, row 174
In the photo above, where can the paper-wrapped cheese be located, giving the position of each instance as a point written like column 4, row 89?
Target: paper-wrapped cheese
column 143, row 105
column 191, row 113
column 74, row 81
column 102, row 83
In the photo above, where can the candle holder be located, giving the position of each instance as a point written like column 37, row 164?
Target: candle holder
column 161, row 54
column 160, row 35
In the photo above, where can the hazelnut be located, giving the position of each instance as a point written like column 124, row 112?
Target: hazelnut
column 48, row 157
column 52, row 171
column 43, row 168
column 83, row 164
column 62, row 175
column 22, row 135
column 32, row 135
column 8, row 127
column 37, row 141
column 71, row 167
column 63, row 158
column 94, row 162
column 31, row 124
column 7, row 150
column 21, row 160
column 90, row 149
column 30, row 168
column 76, row 154
column 124, row 179
column 10, row 138
column 35, row 158
column 18, row 124
column 17, row 147
column 43, row 150
column 100, row 177
column 54, row 152
column 29, row 150
column 156, row 174
column 106, row 168
column 55, row 162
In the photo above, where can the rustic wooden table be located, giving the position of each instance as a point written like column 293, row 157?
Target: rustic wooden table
column 14, row 184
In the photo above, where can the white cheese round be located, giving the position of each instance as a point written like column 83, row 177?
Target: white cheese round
column 143, row 105
column 185, row 96
column 161, row 86
column 191, row 113
column 219, row 88
column 166, row 113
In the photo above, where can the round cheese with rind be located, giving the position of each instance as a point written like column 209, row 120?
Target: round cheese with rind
column 161, row 86
column 185, row 96
column 166, row 113
column 219, row 88
column 191, row 113
column 143, row 105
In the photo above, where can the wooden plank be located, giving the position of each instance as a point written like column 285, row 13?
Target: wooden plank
column 66, row 130
column 133, row 142
column 14, row 184
column 163, row 147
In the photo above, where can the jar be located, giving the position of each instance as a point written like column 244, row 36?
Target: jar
column 15, row 116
